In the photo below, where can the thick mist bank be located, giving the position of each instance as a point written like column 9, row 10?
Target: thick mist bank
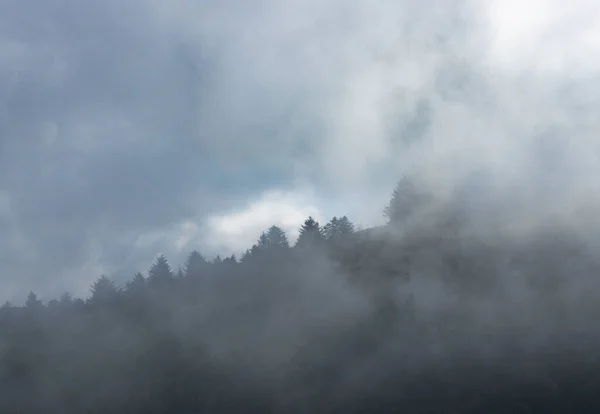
column 404, row 318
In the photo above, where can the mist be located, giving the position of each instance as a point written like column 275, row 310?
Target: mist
column 270, row 137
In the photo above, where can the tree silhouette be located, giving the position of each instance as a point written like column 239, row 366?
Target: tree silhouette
column 337, row 227
column 195, row 264
column 274, row 239
column 310, row 234
column 33, row 303
column 407, row 198
column 104, row 292
column 263, row 242
column 160, row 274
column 137, row 284
column 330, row 230
column 277, row 237
column 66, row 299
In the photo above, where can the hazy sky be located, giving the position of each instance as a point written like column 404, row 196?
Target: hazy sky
column 132, row 128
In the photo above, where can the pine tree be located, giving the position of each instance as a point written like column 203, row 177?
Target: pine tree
column 230, row 261
column 337, row 227
column 406, row 199
column 277, row 238
column 137, row 284
column 345, row 226
column 274, row 238
column 180, row 274
column 33, row 303
column 263, row 242
column 104, row 291
column 53, row 305
column 310, row 234
column 66, row 299
column 195, row 264
column 246, row 256
column 160, row 273
column 330, row 229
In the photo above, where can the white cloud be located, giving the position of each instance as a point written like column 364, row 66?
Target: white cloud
column 544, row 35
column 239, row 230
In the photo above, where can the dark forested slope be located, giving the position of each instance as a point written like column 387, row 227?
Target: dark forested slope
column 429, row 314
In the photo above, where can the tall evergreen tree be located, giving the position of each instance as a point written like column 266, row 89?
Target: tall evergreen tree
column 345, row 226
column 246, row 256
column 230, row 261
column 195, row 264
column 33, row 303
column 104, row 291
column 277, row 237
column 337, row 227
column 310, row 234
column 66, row 299
column 160, row 273
column 407, row 198
column 137, row 284
column 330, row 229
column 263, row 242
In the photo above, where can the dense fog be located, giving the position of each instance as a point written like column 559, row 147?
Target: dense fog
column 432, row 312
column 456, row 143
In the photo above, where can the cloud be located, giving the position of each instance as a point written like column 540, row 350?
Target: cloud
column 129, row 129
column 544, row 36
column 237, row 231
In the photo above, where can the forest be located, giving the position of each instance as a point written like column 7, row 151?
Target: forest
column 431, row 313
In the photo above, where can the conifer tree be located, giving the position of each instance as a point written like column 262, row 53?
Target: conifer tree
column 277, row 237
column 195, row 264
column 160, row 273
column 310, row 234
column 32, row 302
column 407, row 199
column 330, row 229
column 104, row 291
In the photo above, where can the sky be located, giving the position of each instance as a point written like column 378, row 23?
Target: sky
column 130, row 128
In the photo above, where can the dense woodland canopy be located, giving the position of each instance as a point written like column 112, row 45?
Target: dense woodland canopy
column 419, row 316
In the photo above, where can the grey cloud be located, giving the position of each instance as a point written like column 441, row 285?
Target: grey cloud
column 120, row 119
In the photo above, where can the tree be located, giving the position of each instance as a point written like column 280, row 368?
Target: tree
column 407, row 198
column 137, row 284
column 330, row 229
column 160, row 273
column 230, row 261
column 53, row 304
column 180, row 274
column 33, row 303
column 195, row 264
column 337, row 227
column 310, row 234
column 345, row 226
column 277, row 238
column 263, row 242
column 246, row 256
column 66, row 300
column 274, row 238
column 104, row 292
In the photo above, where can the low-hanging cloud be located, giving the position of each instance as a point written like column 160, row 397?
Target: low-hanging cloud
column 122, row 121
